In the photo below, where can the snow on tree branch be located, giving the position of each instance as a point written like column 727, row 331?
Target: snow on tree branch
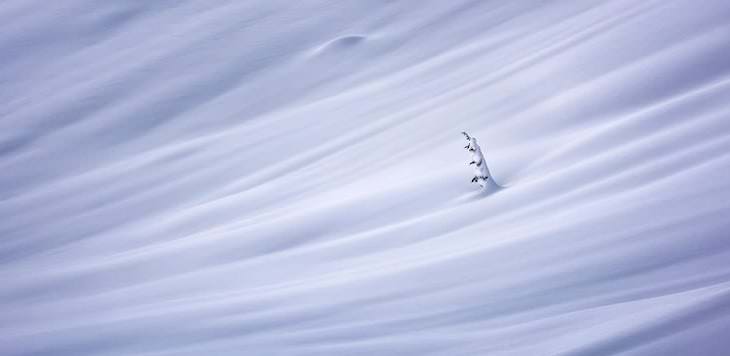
column 481, row 171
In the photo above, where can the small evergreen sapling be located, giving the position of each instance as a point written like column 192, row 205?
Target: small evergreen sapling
column 481, row 171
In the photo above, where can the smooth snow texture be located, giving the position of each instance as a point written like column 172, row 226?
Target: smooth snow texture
column 288, row 177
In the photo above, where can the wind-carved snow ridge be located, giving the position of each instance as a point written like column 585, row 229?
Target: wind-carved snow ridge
column 285, row 178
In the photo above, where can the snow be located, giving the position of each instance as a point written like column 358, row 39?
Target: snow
column 288, row 178
column 482, row 176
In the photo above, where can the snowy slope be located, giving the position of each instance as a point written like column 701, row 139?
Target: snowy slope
column 288, row 177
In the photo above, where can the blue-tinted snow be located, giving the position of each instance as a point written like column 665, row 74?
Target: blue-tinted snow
column 288, row 177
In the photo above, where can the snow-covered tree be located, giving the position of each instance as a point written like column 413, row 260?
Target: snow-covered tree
column 481, row 171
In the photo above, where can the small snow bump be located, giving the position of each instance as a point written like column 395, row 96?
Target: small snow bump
column 348, row 40
column 341, row 43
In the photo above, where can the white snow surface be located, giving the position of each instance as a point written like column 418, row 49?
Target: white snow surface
column 270, row 177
